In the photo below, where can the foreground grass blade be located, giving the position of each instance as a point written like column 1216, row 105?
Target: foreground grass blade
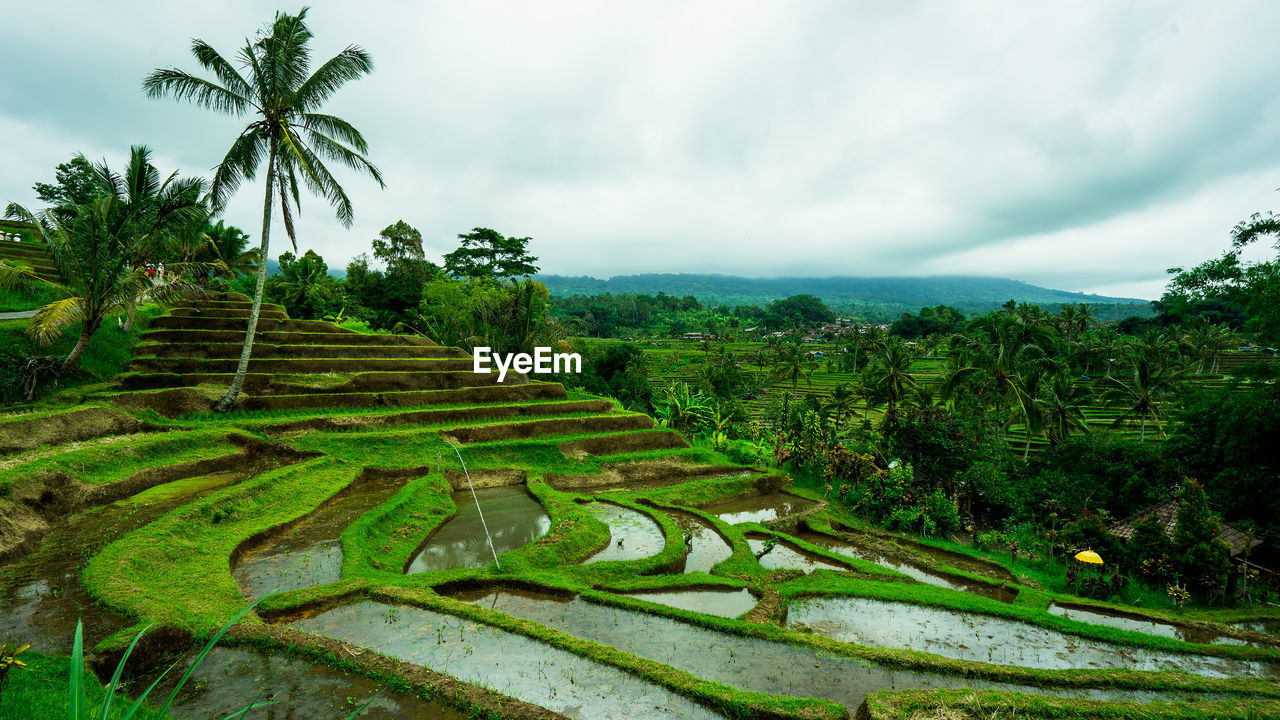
column 115, row 678
column 75, row 686
column 209, row 646
column 240, row 714
column 133, row 710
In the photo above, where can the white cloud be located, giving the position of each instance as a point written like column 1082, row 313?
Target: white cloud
column 1082, row 147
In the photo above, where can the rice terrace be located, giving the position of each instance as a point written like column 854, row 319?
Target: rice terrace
column 863, row 479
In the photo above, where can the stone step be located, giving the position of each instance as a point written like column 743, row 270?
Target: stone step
column 179, row 401
column 271, row 350
column 221, row 312
column 303, row 366
column 540, row 428
column 268, row 383
column 12, row 249
column 168, row 322
column 460, row 396
column 180, row 335
column 619, row 443
column 431, row 417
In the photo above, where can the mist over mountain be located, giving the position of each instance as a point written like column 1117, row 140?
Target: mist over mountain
column 889, row 295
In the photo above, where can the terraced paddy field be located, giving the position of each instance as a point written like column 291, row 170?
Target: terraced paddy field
column 630, row 574
column 675, row 361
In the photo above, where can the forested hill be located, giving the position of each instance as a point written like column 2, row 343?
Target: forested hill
column 891, row 294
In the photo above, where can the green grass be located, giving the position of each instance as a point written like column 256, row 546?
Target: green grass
column 117, row 458
column 40, row 691
column 990, row 705
column 29, row 298
column 175, row 570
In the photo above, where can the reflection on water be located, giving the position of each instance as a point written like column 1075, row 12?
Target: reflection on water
column 515, row 518
column 510, row 664
column 706, row 547
column 309, row 553
column 42, row 597
column 742, row 662
column 761, row 508
column 231, row 677
column 785, row 556
column 725, row 603
column 915, row 572
column 632, row 535
column 1151, row 627
column 985, row 638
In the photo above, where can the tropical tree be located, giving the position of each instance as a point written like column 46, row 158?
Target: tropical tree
column 275, row 83
column 1061, row 404
column 1001, row 353
column 104, row 248
column 793, row 363
column 1205, row 341
column 890, row 376
column 842, row 401
column 1152, row 378
column 228, row 246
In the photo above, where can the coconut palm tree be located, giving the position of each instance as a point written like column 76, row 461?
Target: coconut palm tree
column 105, row 249
column 1205, row 342
column 793, row 363
column 229, row 245
column 275, row 83
column 1061, row 404
column 891, row 375
column 1152, row 379
column 843, row 399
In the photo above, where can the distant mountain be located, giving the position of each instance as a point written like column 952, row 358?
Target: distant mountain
column 890, row 295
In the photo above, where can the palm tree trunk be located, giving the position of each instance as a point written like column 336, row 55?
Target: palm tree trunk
column 85, row 333
column 1026, row 450
column 247, row 348
column 1142, row 429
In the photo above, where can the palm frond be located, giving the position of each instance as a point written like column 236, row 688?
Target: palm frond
column 212, row 61
column 340, row 129
column 342, row 68
column 239, row 164
column 50, row 320
column 184, row 86
column 327, row 147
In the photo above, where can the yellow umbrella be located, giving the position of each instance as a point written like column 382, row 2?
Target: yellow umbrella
column 1089, row 556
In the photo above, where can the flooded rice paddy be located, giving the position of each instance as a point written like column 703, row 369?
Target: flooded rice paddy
column 760, row 508
column 706, row 547
column 984, row 638
column 742, row 662
column 310, row 552
column 725, row 603
column 514, row 518
column 786, row 556
column 916, row 572
column 632, row 535
column 231, row 677
column 41, row 596
column 511, row 664
column 1125, row 621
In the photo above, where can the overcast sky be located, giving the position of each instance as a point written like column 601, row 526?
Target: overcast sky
column 1082, row 146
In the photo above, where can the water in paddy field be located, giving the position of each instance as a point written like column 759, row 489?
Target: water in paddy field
column 231, row 677
column 742, row 662
column 1150, row 627
column 1270, row 627
column 984, row 638
column 310, row 552
column 995, row 592
column 41, row 596
column 761, row 508
column 632, row 534
column 706, row 546
column 514, row 517
column 785, row 556
column 725, row 603
column 954, row 559
column 511, row 664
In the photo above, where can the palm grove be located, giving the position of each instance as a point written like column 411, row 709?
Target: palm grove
column 932, row 431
